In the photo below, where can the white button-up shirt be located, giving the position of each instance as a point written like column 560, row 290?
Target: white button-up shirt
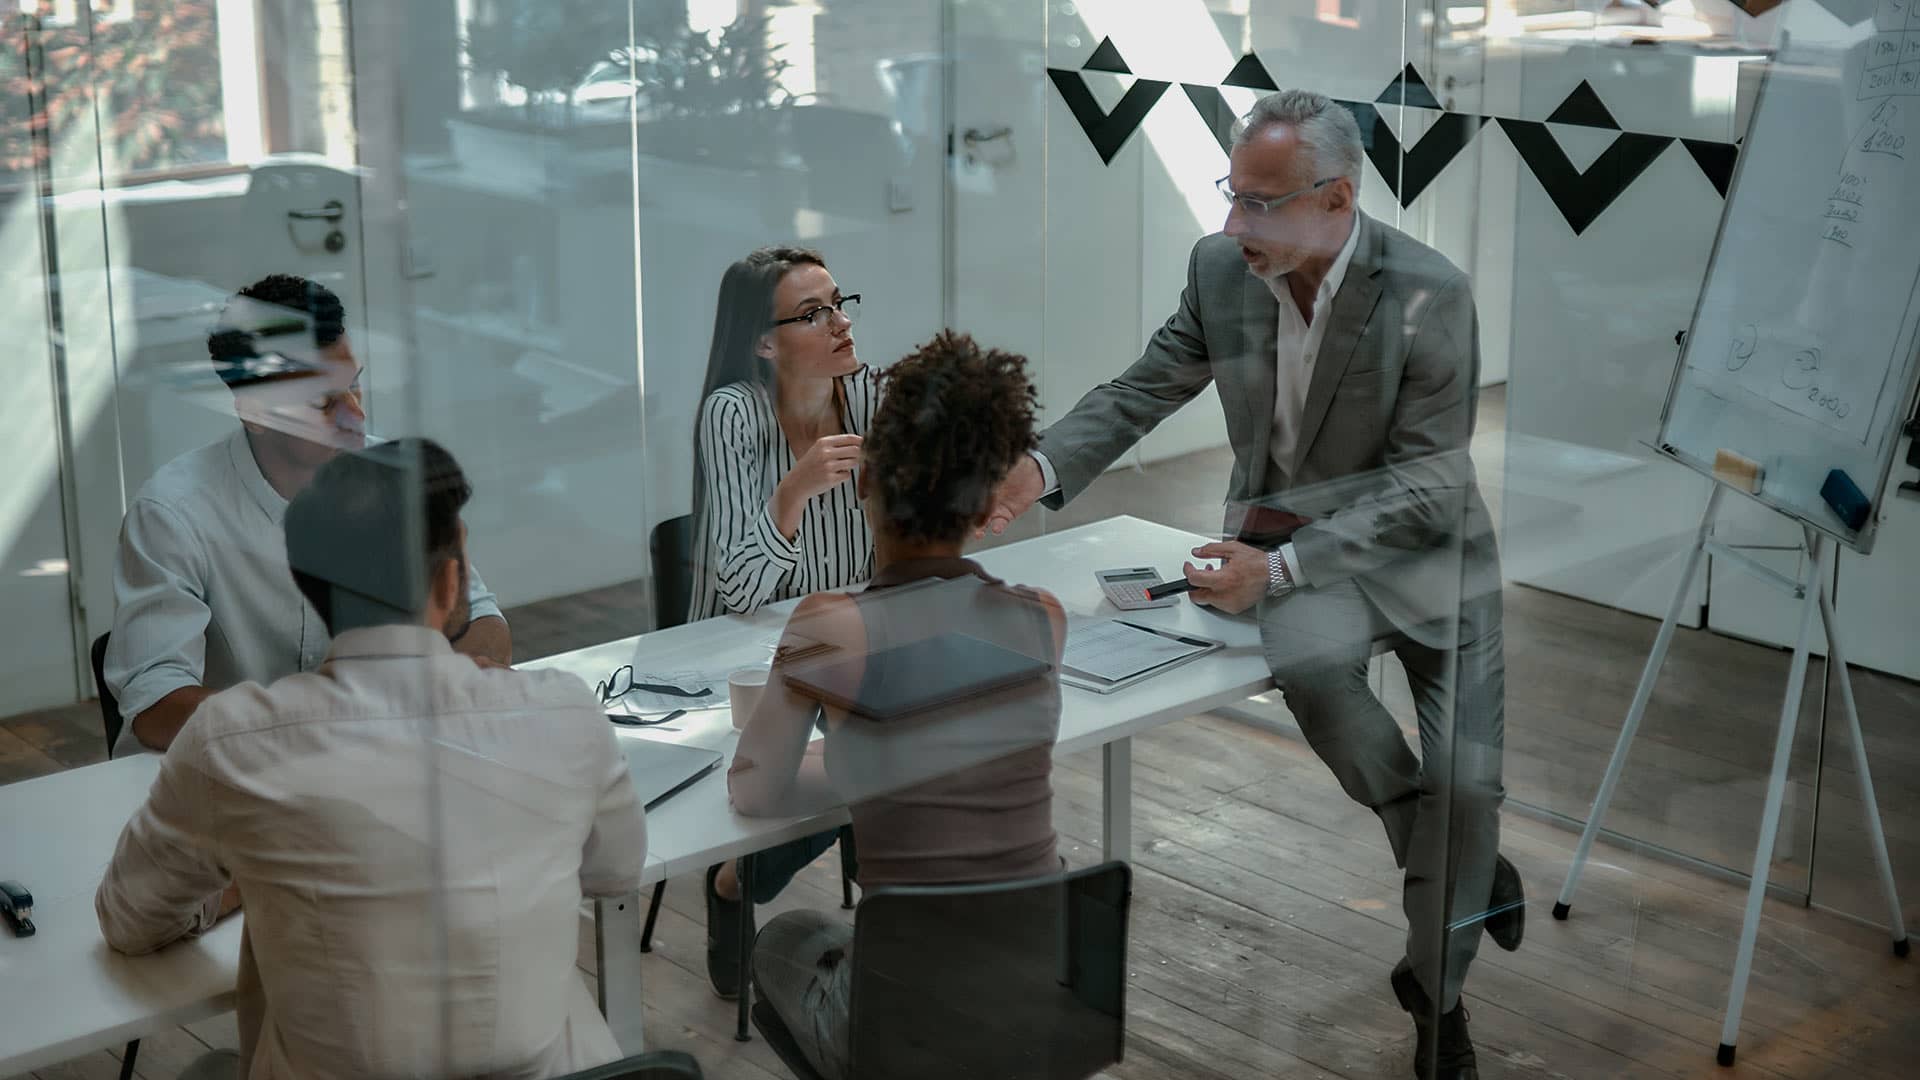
column 1298, row 348
column 202, row 593
column 332, row 799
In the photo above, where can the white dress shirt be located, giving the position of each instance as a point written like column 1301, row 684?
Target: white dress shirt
column 202, row 594
column 331, row 798
column 1297, row 349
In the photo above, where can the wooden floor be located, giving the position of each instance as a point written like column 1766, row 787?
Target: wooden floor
column 1266, row 908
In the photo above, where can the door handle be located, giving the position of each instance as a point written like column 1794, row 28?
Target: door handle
column 333, row 211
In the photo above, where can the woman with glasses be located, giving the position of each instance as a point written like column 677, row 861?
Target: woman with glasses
column 785, row 405
column 775, row 512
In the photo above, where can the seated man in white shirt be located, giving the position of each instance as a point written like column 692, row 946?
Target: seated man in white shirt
column 202, row 598
column 410, row 831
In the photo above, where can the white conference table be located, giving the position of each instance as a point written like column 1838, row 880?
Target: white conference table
column 74, row 995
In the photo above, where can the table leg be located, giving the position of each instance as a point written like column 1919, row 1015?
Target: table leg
column 744, row 869
column 616, row 948
column 1116, row 800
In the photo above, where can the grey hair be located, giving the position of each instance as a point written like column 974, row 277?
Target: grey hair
column 1328, row 131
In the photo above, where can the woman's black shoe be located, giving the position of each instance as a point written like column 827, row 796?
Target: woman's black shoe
column 723, row 939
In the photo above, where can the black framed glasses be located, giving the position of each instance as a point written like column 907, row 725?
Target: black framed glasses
column 818, row 318
column 1257, row 206
column 627, row 720
column 620, row 684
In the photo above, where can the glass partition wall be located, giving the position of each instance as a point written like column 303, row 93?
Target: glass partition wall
column 526, row 213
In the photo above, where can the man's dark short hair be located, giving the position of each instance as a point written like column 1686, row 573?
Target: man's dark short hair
column 323, row 311
column 365, row 537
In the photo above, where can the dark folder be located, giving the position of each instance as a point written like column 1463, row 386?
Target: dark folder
column 906, row 680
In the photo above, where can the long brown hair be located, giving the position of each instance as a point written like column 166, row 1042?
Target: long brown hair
column 743, row 315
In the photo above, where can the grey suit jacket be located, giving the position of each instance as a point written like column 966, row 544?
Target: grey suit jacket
column 1381, row 466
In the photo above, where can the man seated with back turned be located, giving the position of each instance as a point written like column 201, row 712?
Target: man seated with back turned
column 410, row 831
column 202, row 599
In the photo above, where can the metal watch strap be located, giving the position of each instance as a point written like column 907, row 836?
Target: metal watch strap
column 1279, row 581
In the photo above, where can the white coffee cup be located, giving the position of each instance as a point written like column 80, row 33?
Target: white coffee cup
column 744, row 690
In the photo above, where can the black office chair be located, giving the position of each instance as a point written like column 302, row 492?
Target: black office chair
column 109, row 705
column 110, row 721
column 1022, row 980
column 659, row 1065
column 671, row 549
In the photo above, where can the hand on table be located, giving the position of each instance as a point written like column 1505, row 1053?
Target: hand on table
column 1237, row 585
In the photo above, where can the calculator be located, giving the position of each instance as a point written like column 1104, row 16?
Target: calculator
column 1128, row 588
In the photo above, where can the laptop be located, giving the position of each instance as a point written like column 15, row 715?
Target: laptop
column 918, row 677
column 662, row 769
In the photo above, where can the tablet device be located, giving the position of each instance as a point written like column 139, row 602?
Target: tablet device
column 660, row 769
column 906, row 680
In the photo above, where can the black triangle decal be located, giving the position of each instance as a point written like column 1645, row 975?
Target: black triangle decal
column 1108, row 132
column 1715, row 160
column 1407, row 175
column 1383, row 149
column 1106, row 58
column 1408, row 90
column 1212, row 106
column 1443, row 142
column 1250, row 74
column 1583, row 107
column 1582, row 196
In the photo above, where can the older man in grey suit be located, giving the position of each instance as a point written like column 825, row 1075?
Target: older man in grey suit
column 1347, row 356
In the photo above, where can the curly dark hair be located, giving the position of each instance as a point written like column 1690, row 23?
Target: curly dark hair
column 954, row 420
column 325, row 313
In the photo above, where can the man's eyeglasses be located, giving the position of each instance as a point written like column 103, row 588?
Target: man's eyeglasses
column 818, row 318
column 621, row 683
column 1258, row 207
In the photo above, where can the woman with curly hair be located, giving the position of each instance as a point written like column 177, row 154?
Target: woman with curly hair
column 961, row 793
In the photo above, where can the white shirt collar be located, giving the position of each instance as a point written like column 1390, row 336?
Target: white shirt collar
column 1336, row 274
column 392, row 640
column 247, row 468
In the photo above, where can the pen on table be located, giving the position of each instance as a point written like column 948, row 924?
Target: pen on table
column 1169, row 588
column 1182, row 639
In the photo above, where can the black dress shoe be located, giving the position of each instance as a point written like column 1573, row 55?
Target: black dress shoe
column 723, row 939
column 1442, row 1051
column 1507, row 903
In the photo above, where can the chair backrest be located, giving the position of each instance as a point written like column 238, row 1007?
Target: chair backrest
column 659, row 1065
column 1019, row 980
column 672, row 549
column 109, row 705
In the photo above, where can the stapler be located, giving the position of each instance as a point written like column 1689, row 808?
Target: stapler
column 16, row 903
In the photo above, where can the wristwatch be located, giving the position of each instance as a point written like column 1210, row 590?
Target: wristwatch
column 1279, row 582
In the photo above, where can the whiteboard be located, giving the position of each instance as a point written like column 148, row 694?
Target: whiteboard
column 1801, row 353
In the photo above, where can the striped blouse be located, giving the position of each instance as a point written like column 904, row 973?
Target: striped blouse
column 744, row 563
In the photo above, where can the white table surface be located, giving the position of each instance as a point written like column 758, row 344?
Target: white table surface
column 71, row 995
column 67, row 993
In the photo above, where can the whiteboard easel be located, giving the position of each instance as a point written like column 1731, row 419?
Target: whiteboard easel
column 1814, row 597
column 1801, row 374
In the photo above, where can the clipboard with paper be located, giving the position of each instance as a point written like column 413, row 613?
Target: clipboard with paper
column 1105, row 655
